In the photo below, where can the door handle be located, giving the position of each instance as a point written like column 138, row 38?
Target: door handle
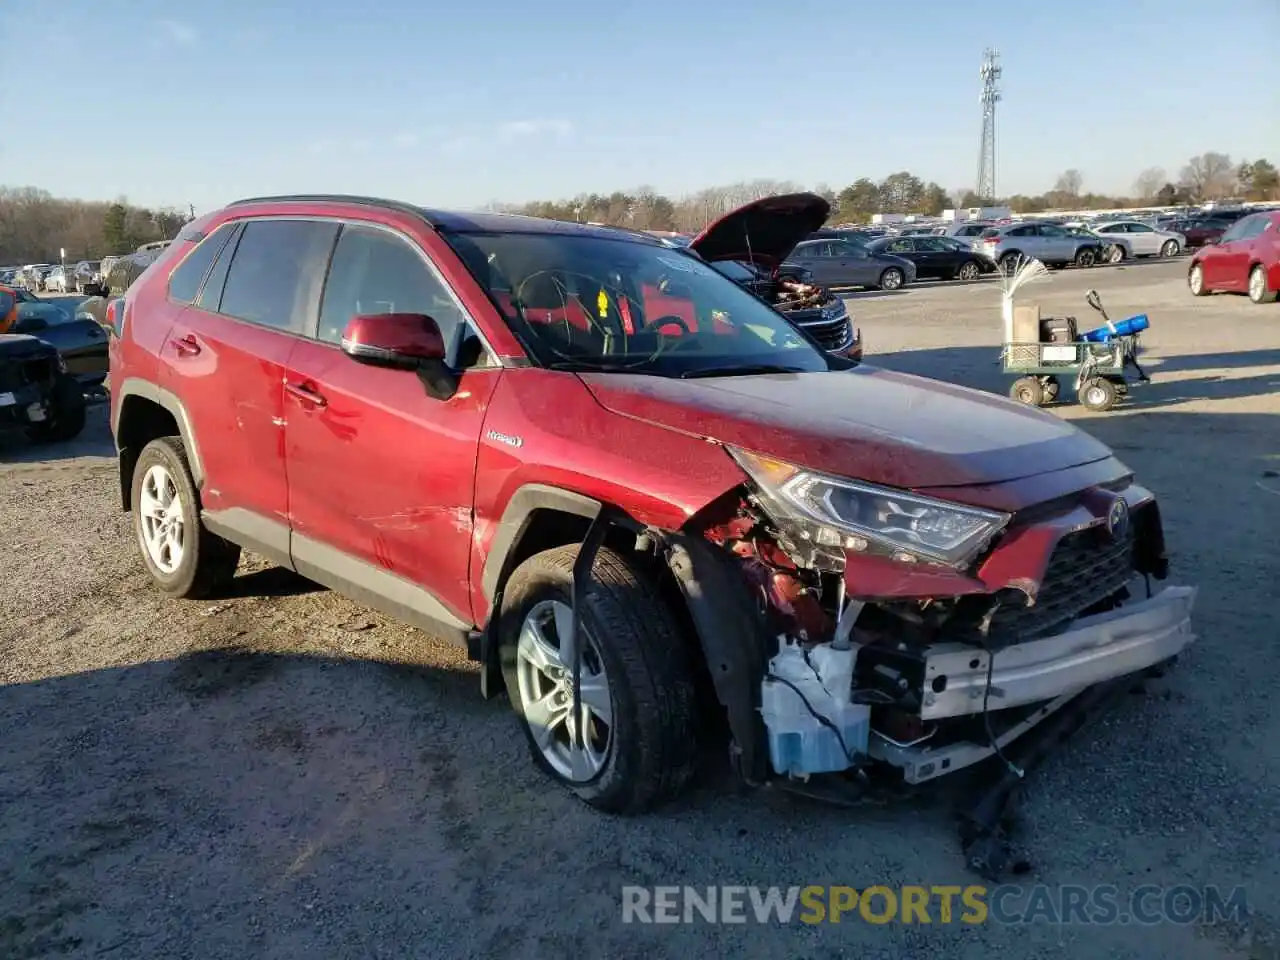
column 305, row 394
column 187, row 346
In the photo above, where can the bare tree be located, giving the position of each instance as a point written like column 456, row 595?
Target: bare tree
column 1069, row 183
column 1149, row 182
column 1210, row 176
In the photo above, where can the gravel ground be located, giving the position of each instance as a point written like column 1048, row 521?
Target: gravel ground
column 284, row 774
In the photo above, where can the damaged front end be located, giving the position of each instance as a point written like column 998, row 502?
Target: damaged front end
column 900, row 633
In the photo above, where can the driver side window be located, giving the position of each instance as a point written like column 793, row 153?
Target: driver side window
column 373, row 271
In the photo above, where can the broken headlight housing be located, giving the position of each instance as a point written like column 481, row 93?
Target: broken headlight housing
column 827, row 516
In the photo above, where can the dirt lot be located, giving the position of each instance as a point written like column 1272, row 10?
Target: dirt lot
column 284, row 774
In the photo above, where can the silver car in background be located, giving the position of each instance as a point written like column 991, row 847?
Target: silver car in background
column 1051, row 244
column 1133, row 238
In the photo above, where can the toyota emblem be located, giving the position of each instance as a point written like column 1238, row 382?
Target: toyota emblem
column 1118, row 519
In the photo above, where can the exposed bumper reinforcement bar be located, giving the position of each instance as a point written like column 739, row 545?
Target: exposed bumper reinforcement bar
column 958, row 679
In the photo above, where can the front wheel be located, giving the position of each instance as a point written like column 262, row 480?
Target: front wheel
column 891, row 279
column 1258, row 291
column 1086, row 257
column 969, row 270
column 1170, row 249
column 1195, row 281
column 1099, row 395
column 1010, row 262
column 631, row 744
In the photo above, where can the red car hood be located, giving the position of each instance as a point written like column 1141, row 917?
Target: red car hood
column 764, row 231
column 866, row 423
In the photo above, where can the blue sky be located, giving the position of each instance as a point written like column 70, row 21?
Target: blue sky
column 457, row 104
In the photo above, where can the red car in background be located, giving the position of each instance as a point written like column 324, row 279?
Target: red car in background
column 1199, row 230
column 1246, row 259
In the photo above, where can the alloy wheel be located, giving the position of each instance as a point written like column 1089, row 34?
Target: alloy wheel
column 575, row 746
column 1196, row 280
column 1257, row 285
column 163, row 525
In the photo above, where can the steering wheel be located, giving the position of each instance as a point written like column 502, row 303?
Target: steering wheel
column 666, row 344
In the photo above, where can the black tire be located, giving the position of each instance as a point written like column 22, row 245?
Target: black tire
column 1010, row 262
column 1086, row 257
column 1258, row 290
column 651, row 754
column 1027, row 390
column 892, row 279
column 208, row 561
column 969, row 270
column 66, row 414
column 1098, row 395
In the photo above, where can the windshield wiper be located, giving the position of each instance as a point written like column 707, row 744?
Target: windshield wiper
column 740, row 370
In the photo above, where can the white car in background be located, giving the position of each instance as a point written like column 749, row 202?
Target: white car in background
column 1133, row 238
column 60, row 280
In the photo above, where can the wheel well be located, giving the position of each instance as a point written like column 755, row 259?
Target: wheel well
column 548, row 528
column 141, row 421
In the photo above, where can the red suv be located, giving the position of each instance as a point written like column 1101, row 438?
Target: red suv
column 639, row 495
column 1245, row 259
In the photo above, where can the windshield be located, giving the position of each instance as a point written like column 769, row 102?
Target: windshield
column 591, row 303
column 738, row 272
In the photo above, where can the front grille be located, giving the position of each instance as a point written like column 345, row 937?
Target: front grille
column 832, row 335
column 1087, row 567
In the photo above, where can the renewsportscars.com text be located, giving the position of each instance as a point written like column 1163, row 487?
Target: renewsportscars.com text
column 1006, row 904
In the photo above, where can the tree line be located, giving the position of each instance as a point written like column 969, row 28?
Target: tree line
column 1209, row 176
column 34, row 224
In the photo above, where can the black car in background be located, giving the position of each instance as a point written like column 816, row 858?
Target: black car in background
column 935, row 257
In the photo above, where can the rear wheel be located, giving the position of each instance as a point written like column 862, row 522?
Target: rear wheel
column 1027, row 390
column 66, row 413
column 1258, row 291
column 631, row 745
column 184, row 558
column 1117, row 254
column 1195, row 281
column 1010, row 262
column 1170, row 248
column 891, row 279
column 969, row 270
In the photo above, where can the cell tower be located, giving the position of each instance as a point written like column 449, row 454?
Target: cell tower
column 990, row 74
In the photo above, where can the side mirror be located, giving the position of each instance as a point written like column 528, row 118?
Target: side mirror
column 402, row 341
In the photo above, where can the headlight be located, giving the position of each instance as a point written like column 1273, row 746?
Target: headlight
column 833, row 514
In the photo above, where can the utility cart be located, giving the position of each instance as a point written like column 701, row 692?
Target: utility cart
column 1045, row 352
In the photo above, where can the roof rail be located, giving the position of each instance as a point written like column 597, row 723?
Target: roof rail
column 395, row 205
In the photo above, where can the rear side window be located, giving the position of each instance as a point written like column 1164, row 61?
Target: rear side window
column 184, row 282
column 211, row 292
column 274, row 272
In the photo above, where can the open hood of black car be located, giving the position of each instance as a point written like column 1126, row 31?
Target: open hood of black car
column 764, row 231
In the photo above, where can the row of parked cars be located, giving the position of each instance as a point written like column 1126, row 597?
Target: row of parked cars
column 82, row 277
